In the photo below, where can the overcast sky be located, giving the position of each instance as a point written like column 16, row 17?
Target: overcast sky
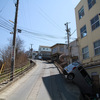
column 41, row 21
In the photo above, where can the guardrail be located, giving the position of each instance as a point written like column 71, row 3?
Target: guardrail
column 5, row 76
column 59, row 67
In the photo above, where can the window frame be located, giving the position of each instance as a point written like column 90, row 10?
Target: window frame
column 91, row 3
column 83, row 32
column 94, row 22
column 61, row 49
column 96, row 48
column 54, row 50
column 85, row 52
column 43, row 48
column 80, row 12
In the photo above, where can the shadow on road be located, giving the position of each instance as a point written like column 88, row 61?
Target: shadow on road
column 50, row 68
column 59, row 89
column 46, row 62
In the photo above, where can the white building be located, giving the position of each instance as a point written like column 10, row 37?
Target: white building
column 44, row 52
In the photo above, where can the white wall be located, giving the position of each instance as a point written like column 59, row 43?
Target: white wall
column 44, row 49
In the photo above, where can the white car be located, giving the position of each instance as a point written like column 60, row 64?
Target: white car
column 68, row 70
column 79, row 76
column 40, row 57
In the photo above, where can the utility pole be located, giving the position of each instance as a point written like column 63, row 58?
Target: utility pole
column 14, row 42
column 31, row 50
column 68, row 35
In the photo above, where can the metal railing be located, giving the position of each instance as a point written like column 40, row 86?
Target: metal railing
column 5, row 76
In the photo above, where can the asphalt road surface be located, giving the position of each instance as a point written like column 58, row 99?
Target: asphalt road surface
column 43, row 82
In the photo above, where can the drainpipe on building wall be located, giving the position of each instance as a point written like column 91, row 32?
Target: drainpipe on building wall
column 79, row 50
column 99, row 18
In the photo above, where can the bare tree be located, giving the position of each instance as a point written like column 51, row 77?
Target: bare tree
column 19, row 45
column 5, row 53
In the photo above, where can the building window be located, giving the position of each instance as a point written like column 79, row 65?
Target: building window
column 85, row 52
column 97, row 47
column 81, row 12
column 39, row 49
column 61, row 49
column 83, row 31
column 95, row 22
column 54, row 50
column 91, row 3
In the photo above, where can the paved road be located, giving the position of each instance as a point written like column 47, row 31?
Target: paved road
column 42, row 83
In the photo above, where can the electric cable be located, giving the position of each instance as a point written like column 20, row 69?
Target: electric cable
column 5, row 28
column 4, row 6
column 7, row 25
column 73, row 32
column 6, row 20
column 50, row 18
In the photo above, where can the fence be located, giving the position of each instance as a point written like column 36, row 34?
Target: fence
column 5, row 76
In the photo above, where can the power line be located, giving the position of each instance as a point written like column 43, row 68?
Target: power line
column 50, row 21
column 32, row 33
column 53, row 21
column 46, row 17
column 38, row 38
column 5, row 28
column 7, row 25
column 38, row 34
column 6, row 20
column 73, row 32
column 4, row 6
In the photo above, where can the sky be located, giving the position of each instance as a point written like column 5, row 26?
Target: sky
column 41, row 21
